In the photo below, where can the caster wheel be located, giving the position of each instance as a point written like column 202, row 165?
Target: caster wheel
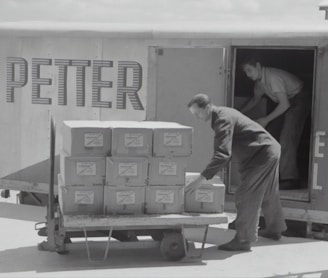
column 60, row 248
column 43, row 246
column 172, row 247
column 62, row 252
column 67, row 240
column 5, row 193
column 43, row 231
column 157, row 236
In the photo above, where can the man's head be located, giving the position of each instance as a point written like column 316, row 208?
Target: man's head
column 201, row 106
column 252, row 67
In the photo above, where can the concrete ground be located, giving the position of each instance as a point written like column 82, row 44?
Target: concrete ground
column 19, row 256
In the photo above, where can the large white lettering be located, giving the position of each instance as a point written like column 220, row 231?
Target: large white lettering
column 317, row 154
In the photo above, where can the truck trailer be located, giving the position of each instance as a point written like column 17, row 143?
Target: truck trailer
column 112, row 72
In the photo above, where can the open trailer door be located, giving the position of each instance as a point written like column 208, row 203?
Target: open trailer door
column 176, row 74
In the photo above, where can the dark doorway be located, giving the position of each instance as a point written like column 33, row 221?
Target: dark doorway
column 300, row 62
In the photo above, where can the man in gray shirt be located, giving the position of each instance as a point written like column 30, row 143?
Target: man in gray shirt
column 293, row 102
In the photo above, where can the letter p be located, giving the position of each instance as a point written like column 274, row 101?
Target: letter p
column 16, row 76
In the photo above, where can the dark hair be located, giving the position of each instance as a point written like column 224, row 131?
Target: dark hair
column 251, row 59
column 201, row 100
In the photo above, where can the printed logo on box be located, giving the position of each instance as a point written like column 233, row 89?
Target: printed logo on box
column 84, row 197
column 86, row 168
column 133, row 140
column 172, row 139
column 125, row 197
column 168, row 168
column 92, row 140
column 204, row 196
column 128, row 169
column 164, row 196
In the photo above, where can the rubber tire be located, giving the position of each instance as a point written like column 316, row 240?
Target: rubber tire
column 157, row 235
column 172, row 247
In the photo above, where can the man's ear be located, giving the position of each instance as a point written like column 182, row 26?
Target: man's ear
column 208, row 107
column 258, row 65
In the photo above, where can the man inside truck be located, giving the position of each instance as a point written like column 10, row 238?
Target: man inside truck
column 258, row 153
column 293, row 102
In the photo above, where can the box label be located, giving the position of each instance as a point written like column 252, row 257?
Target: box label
column 168, row 168
column 128, row 169
column 133, row 140
column 125, row 197
column 84, row 197
column 172, row 139
column 164, row 196
column 204, row 196
column 92, row 140
column 86, row 168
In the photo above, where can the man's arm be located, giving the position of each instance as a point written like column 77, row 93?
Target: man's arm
column 222, row 152
column 256, row 98
column 223, row 129
column 193, row 184
column 283, row 105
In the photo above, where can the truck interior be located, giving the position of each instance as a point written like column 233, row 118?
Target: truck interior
column 300, row 62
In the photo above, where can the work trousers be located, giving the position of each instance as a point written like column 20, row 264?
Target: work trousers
column 259, row 189
column 291, row 132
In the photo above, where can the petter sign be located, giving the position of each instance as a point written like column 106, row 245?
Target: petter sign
column 67, row 78
column 17, row 77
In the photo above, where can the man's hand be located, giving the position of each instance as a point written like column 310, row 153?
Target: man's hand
column 194, row 184
column 262, row 121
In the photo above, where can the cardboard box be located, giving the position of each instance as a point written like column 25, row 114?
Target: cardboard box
column 208, row 198
column 167, row 171
column 171, row 139
column 80, row 200
column 130, row 138
column 164, row 199
column 192, row 175
column 126, row 171
column 86, row 138
column 124, row 200
column 82, row 170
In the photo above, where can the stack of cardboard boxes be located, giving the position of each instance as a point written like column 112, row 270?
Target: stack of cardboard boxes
column 81, row 181
column 172, row 146
column 129, row 167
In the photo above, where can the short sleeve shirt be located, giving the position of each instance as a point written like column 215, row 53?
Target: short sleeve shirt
column 275, row 81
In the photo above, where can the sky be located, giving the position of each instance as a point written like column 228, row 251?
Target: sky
column 162, row 11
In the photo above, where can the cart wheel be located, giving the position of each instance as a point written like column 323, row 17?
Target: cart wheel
column 67, row 240
column 157, row 235
column 43, row 246
column 172, row 247
column 61, row 250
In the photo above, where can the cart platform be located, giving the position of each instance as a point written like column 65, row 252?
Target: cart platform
column 71, row 222
column 172, row 242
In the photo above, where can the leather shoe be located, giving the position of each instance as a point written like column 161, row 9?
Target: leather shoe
column 270, row 235
column 235, row 245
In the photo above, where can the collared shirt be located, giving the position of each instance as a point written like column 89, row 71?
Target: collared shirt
column 275, row 81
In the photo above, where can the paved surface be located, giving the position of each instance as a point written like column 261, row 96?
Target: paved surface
column 19, row 256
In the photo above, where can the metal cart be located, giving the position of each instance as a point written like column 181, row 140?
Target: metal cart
column 167, row 231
